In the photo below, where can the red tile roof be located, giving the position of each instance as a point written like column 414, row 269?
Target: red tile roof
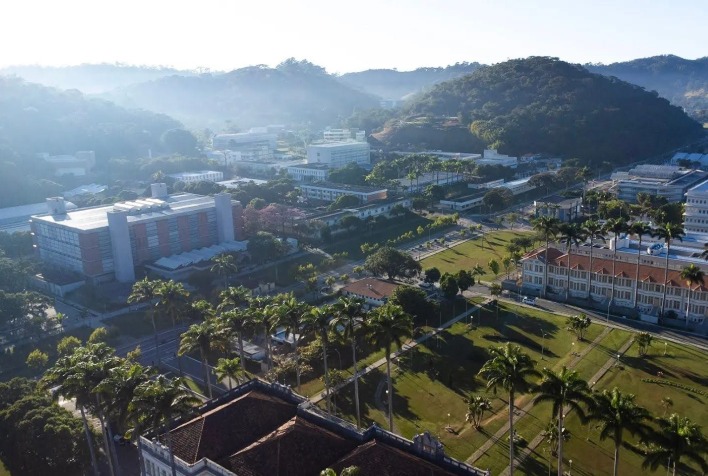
column 372, row 288
column 381, row 459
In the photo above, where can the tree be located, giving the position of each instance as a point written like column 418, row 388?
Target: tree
column 204, row 337
column 498, row 198
column 693, row 276
column 290, row 314
column 493, row 266
column 180, row 141
column 100, row 334
column 509, row 369
column 465, row 280
column 667, row 232
column 638, row 229
column 67, row 345
column 585, row 175
column 617, row 414
column 388, row 325
column 344, row 201
column 228, row 368
column 579, row 325
column 37, row 359
column 477, row 405
column 675, row 439
column 666, row 403
column 570, row 234
column 432, row 275
column 547, row 227
column 224, row 264
column 414, row 301
column 391, row 262
column 265, row 246
column 145, row 292
column 545, row 181
column 448, row 286
column 643, row 340
column 551, row 436
column 563, row 389
column 347, row 320
column 318, row 320
column 234, row 317
column 172, row 300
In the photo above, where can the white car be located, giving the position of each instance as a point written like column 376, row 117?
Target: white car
column 529, row 300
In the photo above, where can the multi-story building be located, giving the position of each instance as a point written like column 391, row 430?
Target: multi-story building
column 198, row 176
column 492, row 157
column 668, row 181
column 338, row 154
column 341, row 135
column 564, row 209
column 107, row 242
column 252, row 146
column 329, row 192
column 309, row 172
column 259, row 428
column 695, row 222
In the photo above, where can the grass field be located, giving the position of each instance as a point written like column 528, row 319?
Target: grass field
column 431, row 385
column 473, row 252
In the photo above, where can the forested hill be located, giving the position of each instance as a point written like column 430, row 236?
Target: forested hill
column 90, row 78
column 393, row 84
column 543, row 104
column 293, row 92
column 683, row 82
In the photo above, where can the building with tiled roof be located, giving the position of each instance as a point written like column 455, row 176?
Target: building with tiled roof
column 262, row 429
column 374, row 291
column 595, row 281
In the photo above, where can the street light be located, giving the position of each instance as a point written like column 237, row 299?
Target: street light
column 607, row 320
column 618, row 361
column 570, row 462
column 543, row 344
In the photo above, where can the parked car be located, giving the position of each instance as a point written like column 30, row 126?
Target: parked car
column 531, row 301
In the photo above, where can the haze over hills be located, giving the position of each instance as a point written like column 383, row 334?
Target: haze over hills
column 542, row 104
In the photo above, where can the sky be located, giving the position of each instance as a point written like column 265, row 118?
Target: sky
column 346, row 36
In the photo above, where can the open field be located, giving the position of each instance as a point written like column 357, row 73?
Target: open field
column 473, row 252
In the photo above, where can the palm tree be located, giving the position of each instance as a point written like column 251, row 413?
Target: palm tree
column 172, row 300
column 693, row 275
column 290, row 314
column 224, row 264
column 157, row 402
column 593, row 231
column 676, row 438
column 389, row 325
column 643, row 340
column 667, row 232
column 495, row 290
column 638, row 229
column 347, row 319
column 547, row 227
column 570, row 234
column 237, row 322
column 318, row 320
column 145, row 292
column 228, row 368
column 232, row 301
column 477, row 405
column 666, row 402
column 563, row 389
column 617, row 413
column 261, row 314
column 584, row 174
column 617, row 227
column 510, row 369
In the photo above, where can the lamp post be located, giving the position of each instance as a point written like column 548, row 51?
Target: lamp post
column 607, row 320
column 570, row 470
column 543, row 345
column 618, row 361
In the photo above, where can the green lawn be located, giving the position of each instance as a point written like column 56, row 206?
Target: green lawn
column 3, row 470
column 137, row 324
column 473, row 252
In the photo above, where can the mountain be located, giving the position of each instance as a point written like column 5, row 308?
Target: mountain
column 681, row 81
column 398, row 85
column 542, row 104
column 293, row 92
column 90, row 78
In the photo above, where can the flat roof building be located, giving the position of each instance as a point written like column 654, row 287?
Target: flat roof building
column 309, row 172
column 666, row 181
column 329, row 192
column 107, row 242
column 695, row 221
column 198, row 176
column 338, row 154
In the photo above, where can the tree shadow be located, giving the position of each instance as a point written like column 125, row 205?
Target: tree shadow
column 645, row 365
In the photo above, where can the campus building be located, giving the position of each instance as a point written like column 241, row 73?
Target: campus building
column 695, row 220
column 309, row 172
column 668, row 181
column 341, row 135
column 198, row 176
column 562, row 208
column 329, row 192
column 107, row 242
column 338, row 154
column 267, row 429
column 252, row 146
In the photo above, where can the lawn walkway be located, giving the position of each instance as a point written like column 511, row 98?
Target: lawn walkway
column 315, row 399
column 505, row 429
column 525, row 452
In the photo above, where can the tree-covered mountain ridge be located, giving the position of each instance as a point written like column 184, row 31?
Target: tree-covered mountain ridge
column 542, row 104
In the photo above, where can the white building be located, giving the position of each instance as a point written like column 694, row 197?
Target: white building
column 695, row 220
column 198, row 176
column 252, row 146
column 338, row 154
column 309, row 172
column 78, row 164
column 329, row 192
column 342, row 135
column 492, row 157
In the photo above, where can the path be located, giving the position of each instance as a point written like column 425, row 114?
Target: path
column 525, row 452
column 504, row 430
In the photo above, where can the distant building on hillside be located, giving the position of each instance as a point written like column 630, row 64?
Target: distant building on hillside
column 252, row 146
column 329, row 192
column 343, row 135
column 492, row 157
column 77, row 165
column 338, row 154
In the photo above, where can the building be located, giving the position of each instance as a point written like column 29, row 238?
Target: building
column 107, row 242
column 420, row 183
column 342, row 135
column 238, row 182
column 85, row 190
column 461, row 204
column 438, row 154
column 564, row 209
column 252, row 146
column 375, row 292
column 668, row 181
column 695, row 222
column 198, row 176
column 492, row 157
column 261, row 429
column 338, row 154
column 17, row 219
column 329, row 192
column 77, row 165
column 372, row 210
column 309, row 172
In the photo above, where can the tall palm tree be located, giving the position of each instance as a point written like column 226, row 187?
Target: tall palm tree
column 617, row 414
column 388, row 325
column 676, row 438
column 237, row 322
column 172, row 300
column 616, row 226
column 547, row 227
column 347, row 320
column 593, row 231
column 317, row 319
column 145, row 292
column 224, row 265
column 262, row 315
column 667, row 232
column 477, row 405
column 570, row 234
column 232, row 302
column 563, row 389
column 204, row 337
column 290, row 313
column 639, row 229
column 157, row 402
column 509, row 369
column 693, row 275
column 584, row 174
column 228, row 368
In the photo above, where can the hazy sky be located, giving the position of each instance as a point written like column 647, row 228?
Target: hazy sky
column 346, row 36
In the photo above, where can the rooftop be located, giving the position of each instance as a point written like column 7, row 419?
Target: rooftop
column 700, row 188
column 193, row 173
column 342, row 186
column 372, row 288
column 311, row 166
column 335, row 145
